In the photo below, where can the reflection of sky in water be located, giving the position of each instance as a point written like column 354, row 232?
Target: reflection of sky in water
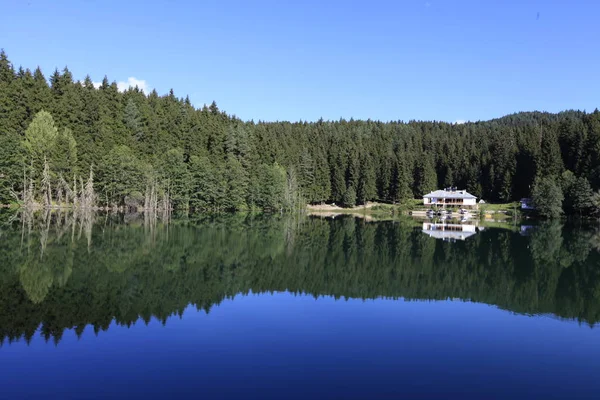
column 282, row 346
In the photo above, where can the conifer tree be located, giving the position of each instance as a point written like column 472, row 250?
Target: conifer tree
column 425, row 176
column 401, row 190
column 64, row 154
column 550, row 155
column 366, row 189
column 11, row 167
column 132, row 121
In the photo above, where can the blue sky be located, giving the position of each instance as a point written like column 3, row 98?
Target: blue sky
column 279, row 60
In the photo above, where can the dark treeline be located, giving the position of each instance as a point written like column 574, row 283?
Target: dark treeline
column 136, row 143
column 141, row 269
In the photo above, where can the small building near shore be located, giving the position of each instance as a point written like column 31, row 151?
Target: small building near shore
column 527, row 204
column 450, row 197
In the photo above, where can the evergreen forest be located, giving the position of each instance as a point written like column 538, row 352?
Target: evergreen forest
column 65, row 142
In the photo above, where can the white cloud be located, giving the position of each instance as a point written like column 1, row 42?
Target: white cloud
column 460, row 121
column 133, row 82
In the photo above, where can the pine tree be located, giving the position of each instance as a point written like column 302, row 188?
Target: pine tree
column 7, row 73
column 236, row 182
column 338, row 180
column 64, row 154
column 307, row 179
column 132, row 121
column 205, row 183
column 292, row 197
column 322, row 179
column 41, row 95
column 11, row 167
column 550, row 154
column 349, row 199
column 401, row 190
column 8, row 122
column 366, row 189
column 425, row 176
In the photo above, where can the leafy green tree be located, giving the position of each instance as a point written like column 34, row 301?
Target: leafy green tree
column 205, row 188
column 122, row 174
column 567, row 180
column 271, row 190
column 40, row 139
column 595, row 204
column 578, row 193
column 547, row 197
column 581, row 195
column 175, row 177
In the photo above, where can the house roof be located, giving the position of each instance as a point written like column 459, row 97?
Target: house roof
column 450, row 194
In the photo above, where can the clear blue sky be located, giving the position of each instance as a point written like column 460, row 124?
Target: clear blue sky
column 279, row 60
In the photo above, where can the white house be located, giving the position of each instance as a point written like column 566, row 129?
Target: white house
column 450, row 197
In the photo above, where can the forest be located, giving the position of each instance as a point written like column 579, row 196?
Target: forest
column 65, row 142
column 142, row 269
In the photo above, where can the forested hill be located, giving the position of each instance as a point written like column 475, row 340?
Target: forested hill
column 207, row 159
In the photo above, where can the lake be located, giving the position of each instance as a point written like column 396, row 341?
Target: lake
column 242, row 306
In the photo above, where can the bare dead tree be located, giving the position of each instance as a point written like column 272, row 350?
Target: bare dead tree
column 46, row 185
column 89, row 196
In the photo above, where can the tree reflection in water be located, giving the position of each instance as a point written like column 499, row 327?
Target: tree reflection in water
column 67, row 271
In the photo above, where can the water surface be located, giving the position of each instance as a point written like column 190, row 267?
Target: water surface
column 237, row 306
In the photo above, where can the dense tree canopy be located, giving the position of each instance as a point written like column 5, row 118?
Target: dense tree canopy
column 207, row 159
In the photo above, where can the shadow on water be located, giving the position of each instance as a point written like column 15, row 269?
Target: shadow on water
column 68, row 270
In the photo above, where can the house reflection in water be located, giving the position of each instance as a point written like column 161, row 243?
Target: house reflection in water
column 449, row 232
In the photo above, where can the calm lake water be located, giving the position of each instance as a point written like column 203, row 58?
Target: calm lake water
column 278, row 307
